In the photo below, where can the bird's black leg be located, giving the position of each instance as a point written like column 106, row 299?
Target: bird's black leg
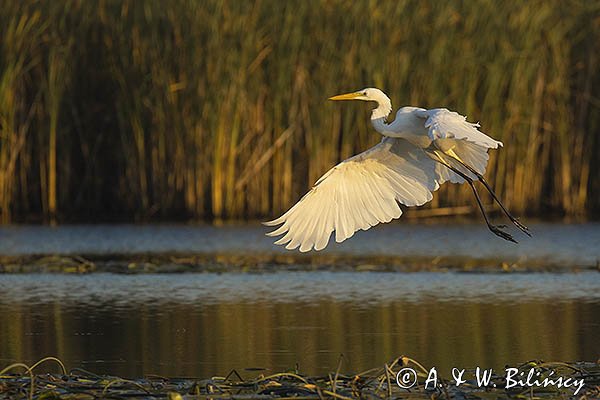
column 514, row 220
column 496, row 229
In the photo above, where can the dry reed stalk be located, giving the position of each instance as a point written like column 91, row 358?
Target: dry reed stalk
column 171, row 109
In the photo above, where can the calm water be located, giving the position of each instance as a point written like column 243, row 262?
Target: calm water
column 206, row 324
column 557, row 244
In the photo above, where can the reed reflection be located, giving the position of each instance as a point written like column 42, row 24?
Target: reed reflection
column 211, row 339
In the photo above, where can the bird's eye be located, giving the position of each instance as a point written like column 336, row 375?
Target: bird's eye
column 364, row 93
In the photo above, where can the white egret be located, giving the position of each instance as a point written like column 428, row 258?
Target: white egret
column 420, row 150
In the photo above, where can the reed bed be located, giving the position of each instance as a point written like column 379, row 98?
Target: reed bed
column 216, row 109
column 377, row 383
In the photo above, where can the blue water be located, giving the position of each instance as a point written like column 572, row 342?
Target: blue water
column 362, row 289
column 552, row 244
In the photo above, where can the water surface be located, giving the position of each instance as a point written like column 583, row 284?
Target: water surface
column 207, row 324
column 556, row 244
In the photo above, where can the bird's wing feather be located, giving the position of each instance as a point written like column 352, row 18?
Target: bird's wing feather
column 357, row 194
column 446, row 124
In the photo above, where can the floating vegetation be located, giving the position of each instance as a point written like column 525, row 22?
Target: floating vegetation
column 378, row 383
column 269, row 262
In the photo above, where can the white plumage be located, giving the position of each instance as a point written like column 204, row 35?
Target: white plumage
column 359, row 193
column 445, row 124
column 420, row 150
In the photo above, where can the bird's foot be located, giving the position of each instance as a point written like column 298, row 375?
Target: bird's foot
column 522, row 227
column 497, row 230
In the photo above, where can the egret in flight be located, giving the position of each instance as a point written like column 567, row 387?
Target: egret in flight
column 420, row 150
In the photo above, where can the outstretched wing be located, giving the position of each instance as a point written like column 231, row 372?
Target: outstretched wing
column 446, row 124
column 357, row 194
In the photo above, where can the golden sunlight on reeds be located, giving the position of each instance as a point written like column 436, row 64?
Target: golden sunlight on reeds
column 217, row 109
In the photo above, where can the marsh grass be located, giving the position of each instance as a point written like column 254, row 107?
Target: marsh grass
column 376, row 383
column 217, row 109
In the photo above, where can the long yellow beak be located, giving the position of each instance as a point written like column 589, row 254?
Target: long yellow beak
column 347, row 96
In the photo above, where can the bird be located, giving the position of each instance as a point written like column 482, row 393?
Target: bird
column 419, row 151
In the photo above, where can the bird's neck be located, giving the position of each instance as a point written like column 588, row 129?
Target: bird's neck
column 379, row 114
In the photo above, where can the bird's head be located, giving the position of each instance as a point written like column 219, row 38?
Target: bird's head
column 384, row 104
column 367, row 94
